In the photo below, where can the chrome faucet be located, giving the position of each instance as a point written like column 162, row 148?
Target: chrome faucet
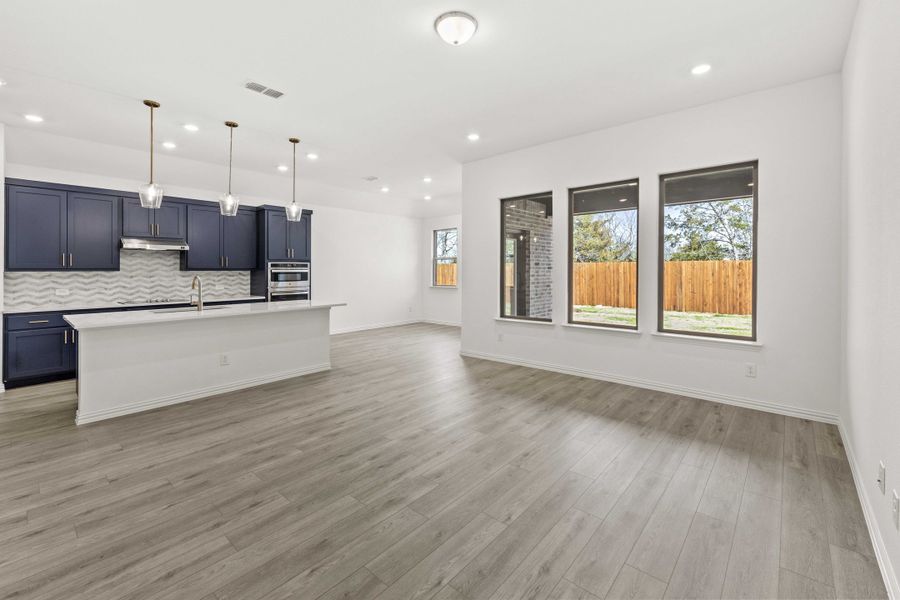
column 196, row 284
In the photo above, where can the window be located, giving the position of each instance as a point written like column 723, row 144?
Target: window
column 443, row 267
column 526, row 238
column 603, row 253
column 707, row 252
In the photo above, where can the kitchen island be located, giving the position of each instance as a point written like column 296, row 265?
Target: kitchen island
column 135, row 361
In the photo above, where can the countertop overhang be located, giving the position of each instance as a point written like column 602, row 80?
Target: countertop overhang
column 83, row 322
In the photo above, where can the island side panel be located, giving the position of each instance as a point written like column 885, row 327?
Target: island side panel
column 123, row 370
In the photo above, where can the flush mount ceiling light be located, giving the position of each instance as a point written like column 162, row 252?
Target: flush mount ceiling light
column 385, row 190
column 34, row 118
column 427, row 198
column 151, row 194
column 701, row 69
column 191, row 127
column 169, row 145
column 228, row 202
column 282, row 168
column 312, row 156
column 456, row 27
column 2, row 82
column 293, row 211
column 473, row 137
column 426, row 179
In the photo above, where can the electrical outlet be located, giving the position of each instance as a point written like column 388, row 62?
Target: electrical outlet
column 881, row 476
column 62, row 292
column 749, row 369
column 895, row 505
column 224, row 361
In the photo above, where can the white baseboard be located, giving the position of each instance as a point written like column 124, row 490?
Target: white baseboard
column 772, row 407
column 99, row 415
column 881, row 554
column 374, row 326
column 435, row 322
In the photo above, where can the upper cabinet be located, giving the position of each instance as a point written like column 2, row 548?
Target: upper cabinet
column 55, row 229
column 283, row 240
column 167, row 221
column 218, row 242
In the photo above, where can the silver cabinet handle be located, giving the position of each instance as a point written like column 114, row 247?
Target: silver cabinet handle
column 226, row 262
column 39, row 321
column 66, row 336
column 74, row 338
column 151, row 228
column 62, row 258
column 71, row 260
column 157, row 230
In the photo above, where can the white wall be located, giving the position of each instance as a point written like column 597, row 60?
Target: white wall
column 2, row 218
column 870, row 408
column 794, row 132
column 369, row 260
column 441, row 305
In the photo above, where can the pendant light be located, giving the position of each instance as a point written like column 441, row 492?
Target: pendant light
column 293, row 210
column 228, row 203
column 151, row 194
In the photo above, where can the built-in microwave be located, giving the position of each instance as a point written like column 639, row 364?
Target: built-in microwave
column 288, row 281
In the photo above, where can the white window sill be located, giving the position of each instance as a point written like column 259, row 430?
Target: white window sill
column 602, row 328
column 526, row 321
column 698, row 339
column 444, row 287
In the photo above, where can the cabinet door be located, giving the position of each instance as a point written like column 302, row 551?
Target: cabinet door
column 35, row 228
column 204, row 237
column 239, row 240
column 277, row 235
column 298, row 238
column 136, row 220
column 93, row 226
column 38, row 352
column 171, row 220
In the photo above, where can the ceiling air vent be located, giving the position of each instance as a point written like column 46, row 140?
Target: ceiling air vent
column 261, row 89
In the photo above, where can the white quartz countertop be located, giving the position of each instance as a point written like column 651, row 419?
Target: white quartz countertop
column 85, row 321
column 123, row 304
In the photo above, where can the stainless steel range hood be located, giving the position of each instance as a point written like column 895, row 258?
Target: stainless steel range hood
column 148, row 243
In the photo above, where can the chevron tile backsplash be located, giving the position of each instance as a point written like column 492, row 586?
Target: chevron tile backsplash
column 143, row 275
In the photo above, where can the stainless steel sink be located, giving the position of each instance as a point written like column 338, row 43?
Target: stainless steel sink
column 187, row 309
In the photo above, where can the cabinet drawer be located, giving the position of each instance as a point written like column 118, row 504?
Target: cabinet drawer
column 35, row 321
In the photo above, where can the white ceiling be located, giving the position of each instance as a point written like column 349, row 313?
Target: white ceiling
column 372, row 90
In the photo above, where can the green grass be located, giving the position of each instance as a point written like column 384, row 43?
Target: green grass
column 737, row 325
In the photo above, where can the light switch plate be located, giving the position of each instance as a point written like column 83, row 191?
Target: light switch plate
column 750, row 369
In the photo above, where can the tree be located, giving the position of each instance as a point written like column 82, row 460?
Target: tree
column 605, row 237
column 719, row 230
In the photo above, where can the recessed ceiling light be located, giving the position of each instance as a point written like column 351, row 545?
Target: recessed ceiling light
column 34, row 118
column 169, row 145
column 385, row 189
column 312, row 156
column 191, row 127
column 2, row 82
column 473, row 137
column 282, row 168
column 456, row 28
column 426, row 179
column 701, row 69
column 428, row 197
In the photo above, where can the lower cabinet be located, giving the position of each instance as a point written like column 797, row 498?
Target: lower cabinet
column 38, row 353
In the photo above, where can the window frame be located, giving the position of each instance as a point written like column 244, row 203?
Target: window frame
column 660, row 239
column 434, row 257
column 547, row 194
column 637, row 256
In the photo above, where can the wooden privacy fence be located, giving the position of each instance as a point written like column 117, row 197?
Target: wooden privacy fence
column 445, row 274
column 711, row 286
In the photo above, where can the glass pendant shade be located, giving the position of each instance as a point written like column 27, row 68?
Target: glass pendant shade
column 151, row 195
column 228, row 205
column 294, row 211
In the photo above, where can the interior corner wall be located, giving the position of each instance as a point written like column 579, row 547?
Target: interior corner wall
column 870, row 406
column 795, row 133
column 2, row 219
column 441, row 305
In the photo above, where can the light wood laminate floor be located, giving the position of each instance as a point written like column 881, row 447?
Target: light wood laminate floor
column 409, row 472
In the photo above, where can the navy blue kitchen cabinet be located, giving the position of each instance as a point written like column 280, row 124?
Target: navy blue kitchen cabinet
column 239, row 240
column 55, row 229
column 91, row 218
column 167, row 221
column 218, row 242
column 204, row 237
column 35, row 228
column 39, row 353
column 280, row 239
